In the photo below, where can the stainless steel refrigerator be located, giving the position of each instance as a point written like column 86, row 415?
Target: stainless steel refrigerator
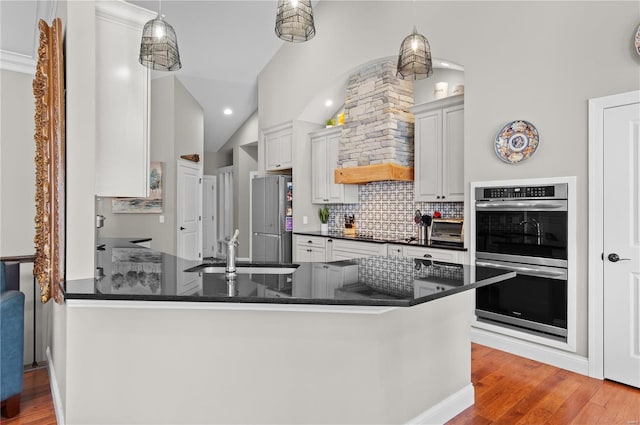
column 271, row 218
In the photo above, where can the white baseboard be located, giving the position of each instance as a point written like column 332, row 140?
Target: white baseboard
column 55, row 391
column 540, row 353
column 448, row 408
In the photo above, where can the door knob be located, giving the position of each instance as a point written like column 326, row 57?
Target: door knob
column 614, row 258
column 182, row 228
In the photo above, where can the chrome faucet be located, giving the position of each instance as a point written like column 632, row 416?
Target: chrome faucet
column 232, row 246
column 536, row 225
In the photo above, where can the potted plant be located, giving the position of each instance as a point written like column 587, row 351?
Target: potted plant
column 330, row 123
column 324, row 219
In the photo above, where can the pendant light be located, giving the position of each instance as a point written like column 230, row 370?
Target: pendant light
column 159, row 45
column 414, row 60
column 294, row 21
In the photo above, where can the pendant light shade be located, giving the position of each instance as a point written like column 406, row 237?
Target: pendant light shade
column 294, row 21
column 159, row 46
column 414, row 60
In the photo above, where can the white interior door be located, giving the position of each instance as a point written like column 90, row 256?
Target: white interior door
column 621, row 243
column 189, row 211
column 209, row 227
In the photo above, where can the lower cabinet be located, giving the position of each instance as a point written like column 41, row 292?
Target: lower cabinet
column 310, row 249
column 327, row 278
column 445, row 255
column 348, row 250
column 320, row 249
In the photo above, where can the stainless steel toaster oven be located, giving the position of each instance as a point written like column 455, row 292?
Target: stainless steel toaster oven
column 447, row 231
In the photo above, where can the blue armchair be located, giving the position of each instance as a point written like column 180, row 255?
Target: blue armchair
column 11, row 338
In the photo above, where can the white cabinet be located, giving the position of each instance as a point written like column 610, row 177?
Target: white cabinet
column 310, row 249
column 346, row 250
column 445, row 255
column 439, row 150
column 278, row 145
column 324, row 157
column 122, row 101
column 329, row 277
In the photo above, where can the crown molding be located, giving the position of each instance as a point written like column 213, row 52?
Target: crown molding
column 17, row 62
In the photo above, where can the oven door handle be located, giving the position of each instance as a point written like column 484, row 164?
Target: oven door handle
column 528, row 270
column 522, row 205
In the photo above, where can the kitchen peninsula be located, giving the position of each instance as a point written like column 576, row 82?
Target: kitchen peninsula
column 372, row 340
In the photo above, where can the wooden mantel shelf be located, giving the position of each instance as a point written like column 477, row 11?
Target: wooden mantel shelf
column 373, row 173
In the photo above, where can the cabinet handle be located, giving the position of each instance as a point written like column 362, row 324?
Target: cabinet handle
column 427, row 256
column 325, row 200
column 442, row 196
column 309, row 241
column 438, row 197
column 330, row 240
column 308, row 250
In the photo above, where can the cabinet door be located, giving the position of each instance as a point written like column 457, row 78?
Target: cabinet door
column 122, row 103
column 453, row 154
column 348, row 250
column 427, row 167
column 445, row 255
column 335, row 280
column 335, row 191
column 272, row 151
column 395, row 251
column 319, row 281
column 318, row 255
column 303, row 253
column 319, row 192
column 286, row 149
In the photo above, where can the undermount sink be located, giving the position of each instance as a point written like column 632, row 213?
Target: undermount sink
column 246, row 268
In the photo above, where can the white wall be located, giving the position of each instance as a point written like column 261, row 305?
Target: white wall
column 17, row 190
column 538, row 61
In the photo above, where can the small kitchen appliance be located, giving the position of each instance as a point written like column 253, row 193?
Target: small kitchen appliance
column 447, row 231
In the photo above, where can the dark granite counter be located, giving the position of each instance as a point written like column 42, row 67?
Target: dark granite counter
column 366, row 238
column 131, row 272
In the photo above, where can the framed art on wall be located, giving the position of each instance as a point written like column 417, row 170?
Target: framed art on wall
column 149, row 205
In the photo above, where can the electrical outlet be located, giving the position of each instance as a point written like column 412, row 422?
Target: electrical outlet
column 161, row 218
column 305, row 219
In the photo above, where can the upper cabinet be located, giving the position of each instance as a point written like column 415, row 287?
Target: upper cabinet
column 278, row 145
column 439, row 150
column 324, row 157
column 122, row 101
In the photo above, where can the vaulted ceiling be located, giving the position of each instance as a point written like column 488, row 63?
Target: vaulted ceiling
column 223, row 46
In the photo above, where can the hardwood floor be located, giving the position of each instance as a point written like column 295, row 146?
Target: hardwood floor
column 509, row 390
column 36, row 404
column 514, row 390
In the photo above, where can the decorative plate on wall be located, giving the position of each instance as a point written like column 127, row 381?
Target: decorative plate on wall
column 638, row 40
column 516, row 141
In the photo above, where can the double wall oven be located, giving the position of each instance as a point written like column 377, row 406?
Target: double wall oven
column 524, row 229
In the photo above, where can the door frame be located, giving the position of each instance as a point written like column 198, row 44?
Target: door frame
column 597, row 106
column 214, row 179
column 197, row 167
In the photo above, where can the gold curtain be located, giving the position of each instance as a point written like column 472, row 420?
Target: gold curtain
column 49, row 136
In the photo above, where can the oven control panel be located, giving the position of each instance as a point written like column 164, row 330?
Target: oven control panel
column 549, row 191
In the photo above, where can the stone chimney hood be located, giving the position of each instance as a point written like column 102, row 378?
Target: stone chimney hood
column 376, row 142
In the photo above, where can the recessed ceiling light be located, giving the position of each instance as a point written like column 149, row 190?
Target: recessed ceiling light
column 328, row 102
column 227, row 111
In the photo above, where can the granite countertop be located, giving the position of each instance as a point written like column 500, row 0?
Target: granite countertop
column 367, row 238
column 135, row 273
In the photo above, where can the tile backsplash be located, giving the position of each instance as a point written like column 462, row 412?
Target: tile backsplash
column 386, row 210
